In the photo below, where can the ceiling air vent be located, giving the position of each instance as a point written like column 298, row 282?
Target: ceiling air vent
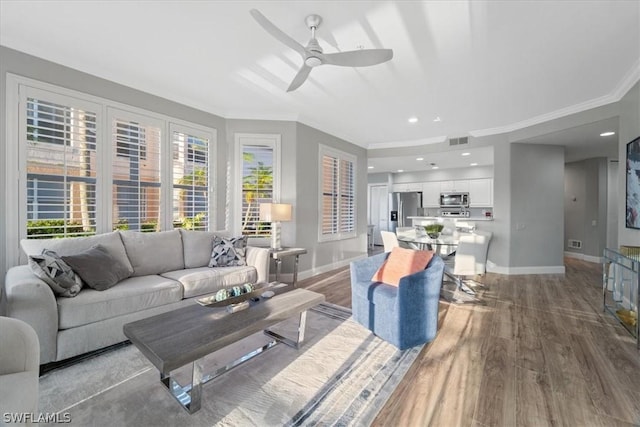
column 458, row 141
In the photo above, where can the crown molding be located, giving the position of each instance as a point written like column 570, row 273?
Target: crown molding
column 630, row 79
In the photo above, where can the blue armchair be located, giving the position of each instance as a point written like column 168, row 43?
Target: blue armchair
column 406, row 315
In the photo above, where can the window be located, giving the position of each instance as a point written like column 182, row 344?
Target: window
column 337, row 194
column 81, row 165
column 190, row 179
column 258, row 155
column 136, row 173
column 61, row 169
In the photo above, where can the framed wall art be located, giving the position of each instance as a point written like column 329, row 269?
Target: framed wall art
column 632, row 213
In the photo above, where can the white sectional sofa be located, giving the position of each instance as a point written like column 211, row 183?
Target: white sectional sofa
column 169, row 269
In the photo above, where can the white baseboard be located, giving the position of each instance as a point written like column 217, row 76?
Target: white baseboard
column 583, row 257
column 549, row 269
column 328, row 267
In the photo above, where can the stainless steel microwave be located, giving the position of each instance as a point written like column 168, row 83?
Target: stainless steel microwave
column 454, row 200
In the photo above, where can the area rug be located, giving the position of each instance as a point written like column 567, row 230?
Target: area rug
column 342, row 375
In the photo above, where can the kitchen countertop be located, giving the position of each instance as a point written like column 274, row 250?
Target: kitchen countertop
column 455, row 218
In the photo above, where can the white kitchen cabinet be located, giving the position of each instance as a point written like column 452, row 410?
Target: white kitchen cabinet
column 399, row 188
column 459, row 185
column 431, row 194
column 414, row 186
column 481, row 192
column 405, row 187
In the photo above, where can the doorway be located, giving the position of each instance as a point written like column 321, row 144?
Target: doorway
column 378, row 210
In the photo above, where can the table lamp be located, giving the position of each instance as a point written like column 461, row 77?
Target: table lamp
column 275, row 213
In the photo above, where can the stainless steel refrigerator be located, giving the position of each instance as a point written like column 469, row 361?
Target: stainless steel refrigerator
column 402, row 206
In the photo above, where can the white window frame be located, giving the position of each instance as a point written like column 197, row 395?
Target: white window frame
column 324, row 150
column 17, row 90
column 241, row 139
column 204, row 133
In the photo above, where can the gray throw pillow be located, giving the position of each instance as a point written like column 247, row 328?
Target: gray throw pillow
column 56, row 273
column 98, row 268
column 228, row 252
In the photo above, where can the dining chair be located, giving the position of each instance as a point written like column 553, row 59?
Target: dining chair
column 389, row 240
column 470, row 259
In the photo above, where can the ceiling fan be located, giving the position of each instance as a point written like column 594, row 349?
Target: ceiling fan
column 312, row 53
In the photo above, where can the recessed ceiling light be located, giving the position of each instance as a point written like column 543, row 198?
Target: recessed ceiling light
column 437, row 119
column 400, row 170
column 370, row 167
column 419, row 159
column 607, row 133
column 413, row 119
column 466, row 154
column 435, row 167
column 473, row 164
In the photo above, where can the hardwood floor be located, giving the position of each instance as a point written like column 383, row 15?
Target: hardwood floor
column 539, row 352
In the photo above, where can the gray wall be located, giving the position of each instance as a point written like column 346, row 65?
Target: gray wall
column 326, row 253
column 629, row 129
column 537, row 205
column 378, row 178
column 586, row 203
column 299, row 172
column 15, row 62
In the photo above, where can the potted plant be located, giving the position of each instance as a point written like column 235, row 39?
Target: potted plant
column 433, row 230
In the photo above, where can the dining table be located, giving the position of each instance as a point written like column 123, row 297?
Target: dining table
column 442, row 245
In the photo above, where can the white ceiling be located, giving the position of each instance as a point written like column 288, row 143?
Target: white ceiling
column 481, row 66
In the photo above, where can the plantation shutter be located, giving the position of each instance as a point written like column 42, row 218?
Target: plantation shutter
column 347, row 202
column 337, row 201
column 61, row 169
column 190, row 181
column 136, row 175
column 329, row 195
column 257, row 187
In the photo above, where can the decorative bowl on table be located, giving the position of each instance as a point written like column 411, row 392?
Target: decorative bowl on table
column 433, row 230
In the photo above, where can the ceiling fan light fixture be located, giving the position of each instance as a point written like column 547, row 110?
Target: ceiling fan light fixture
column 312, row 61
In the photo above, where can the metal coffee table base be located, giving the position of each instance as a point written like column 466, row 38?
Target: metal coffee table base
column 189, row 396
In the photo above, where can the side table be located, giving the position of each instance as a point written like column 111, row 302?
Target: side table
column 278, row 255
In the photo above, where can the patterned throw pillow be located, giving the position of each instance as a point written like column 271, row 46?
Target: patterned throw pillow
column 228, row 252
column 56, row 273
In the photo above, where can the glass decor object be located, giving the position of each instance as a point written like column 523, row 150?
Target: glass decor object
column 620, row 280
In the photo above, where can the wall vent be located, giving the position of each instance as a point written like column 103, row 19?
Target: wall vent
column 459, row 141
column 575, row 244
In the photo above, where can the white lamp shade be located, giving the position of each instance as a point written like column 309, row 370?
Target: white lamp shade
column 272, row 212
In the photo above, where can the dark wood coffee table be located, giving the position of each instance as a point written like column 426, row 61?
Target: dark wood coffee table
column 186, row 335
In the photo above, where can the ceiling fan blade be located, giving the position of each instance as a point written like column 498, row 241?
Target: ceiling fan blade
column 299, row 78
column 358, row 58
column 277, row 32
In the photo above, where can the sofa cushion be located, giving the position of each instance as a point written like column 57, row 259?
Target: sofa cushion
column 228, row 252
column 197, row 246
column 97, row 267
column 74, row 245
column 56, row 273
column 153, row 253
column 205, row 280
column 128, row 296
